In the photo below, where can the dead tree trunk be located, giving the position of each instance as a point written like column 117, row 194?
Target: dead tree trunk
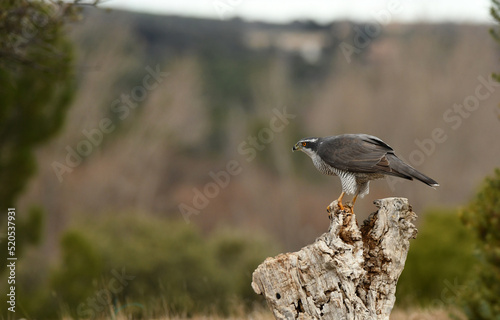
column 347, row 273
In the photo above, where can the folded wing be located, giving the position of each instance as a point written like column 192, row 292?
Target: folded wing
column 361, row 153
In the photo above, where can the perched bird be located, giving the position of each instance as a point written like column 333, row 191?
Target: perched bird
column 356, row 159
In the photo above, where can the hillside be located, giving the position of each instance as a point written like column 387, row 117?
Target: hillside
column 169, row 108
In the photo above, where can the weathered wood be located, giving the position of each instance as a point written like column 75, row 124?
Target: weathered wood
column 347, row 273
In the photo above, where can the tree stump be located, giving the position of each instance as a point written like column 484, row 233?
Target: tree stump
column 347, row 273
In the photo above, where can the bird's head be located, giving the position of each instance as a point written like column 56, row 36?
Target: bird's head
column 307, row 145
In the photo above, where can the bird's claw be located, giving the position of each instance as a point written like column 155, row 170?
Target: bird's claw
column 331, row 207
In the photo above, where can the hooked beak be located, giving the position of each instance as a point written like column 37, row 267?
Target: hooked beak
column 296, row 147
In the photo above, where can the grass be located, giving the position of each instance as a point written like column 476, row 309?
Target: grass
column 261, row 314
column 425, row 314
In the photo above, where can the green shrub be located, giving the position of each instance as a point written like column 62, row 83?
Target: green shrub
column 438, row 262
column 481, row 299
column 80, row 268
column 158, row 266
column 238, row 255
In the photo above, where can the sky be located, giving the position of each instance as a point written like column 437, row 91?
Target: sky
column 322, row 11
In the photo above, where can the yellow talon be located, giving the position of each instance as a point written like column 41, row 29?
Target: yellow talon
column 339, row 200
column 341, row 206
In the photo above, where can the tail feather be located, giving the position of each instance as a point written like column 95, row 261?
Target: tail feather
column 403, row 170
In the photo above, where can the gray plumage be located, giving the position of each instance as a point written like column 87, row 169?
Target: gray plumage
column 356, row 159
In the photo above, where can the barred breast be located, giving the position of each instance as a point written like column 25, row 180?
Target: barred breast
column 347, row 179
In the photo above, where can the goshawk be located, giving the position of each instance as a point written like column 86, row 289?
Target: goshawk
column 357, row 159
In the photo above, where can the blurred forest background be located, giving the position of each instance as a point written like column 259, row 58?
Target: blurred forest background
column 153, row 199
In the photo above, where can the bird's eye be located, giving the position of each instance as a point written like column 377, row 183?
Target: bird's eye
column 304, row 144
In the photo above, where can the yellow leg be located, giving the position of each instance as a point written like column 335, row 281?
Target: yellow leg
column 353, row 201
column 339, row 200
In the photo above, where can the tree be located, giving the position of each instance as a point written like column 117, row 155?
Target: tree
column 495, row 32
column 480, row 299
column 36, row 87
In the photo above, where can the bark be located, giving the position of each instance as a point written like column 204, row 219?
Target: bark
column 347, row 273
